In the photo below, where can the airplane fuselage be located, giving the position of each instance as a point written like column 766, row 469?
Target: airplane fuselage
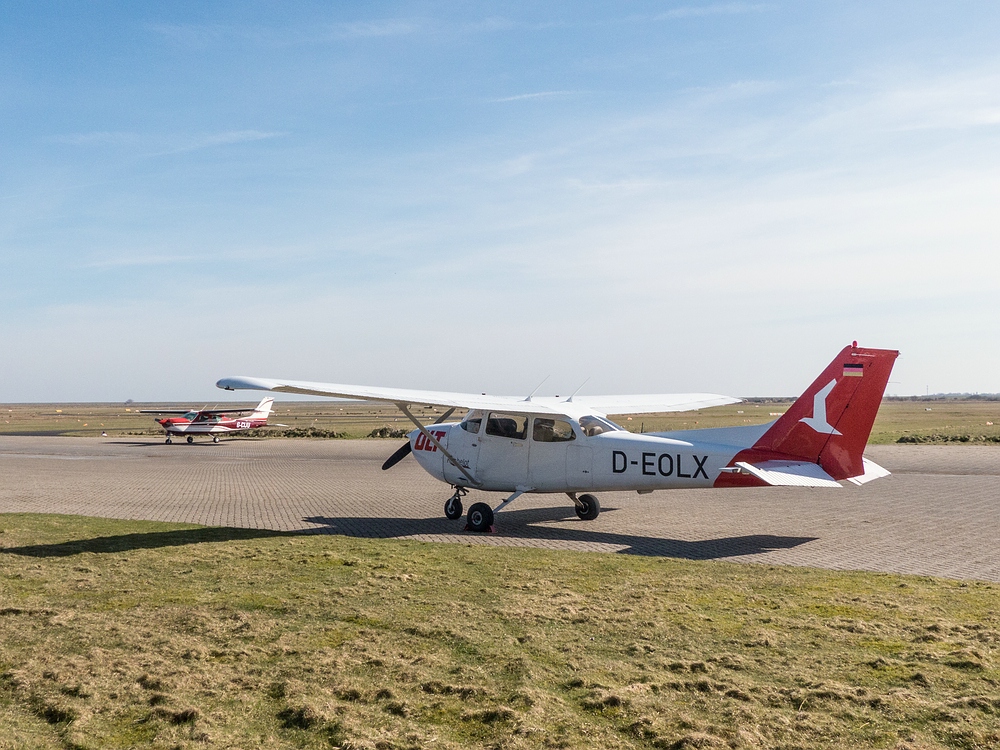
column 612, row 460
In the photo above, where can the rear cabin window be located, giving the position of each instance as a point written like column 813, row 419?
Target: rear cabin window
column 547, row 430
column 514, row 426
column 472, row 422
column 595, row 426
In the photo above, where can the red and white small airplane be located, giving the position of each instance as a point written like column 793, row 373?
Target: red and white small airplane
column 568, row 445
column 214, row 422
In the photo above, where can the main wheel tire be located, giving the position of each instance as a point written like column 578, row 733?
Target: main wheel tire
column 215, row 439
column 480, row 517
column 589, row 507
column 190, row 439
column 453, row 508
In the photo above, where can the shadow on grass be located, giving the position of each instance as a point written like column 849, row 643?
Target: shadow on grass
column 151, row 540
column 530, row 525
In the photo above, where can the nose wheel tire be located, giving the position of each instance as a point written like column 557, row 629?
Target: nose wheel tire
column 168, row 441
column 190, row 439
column 453, row 508
column 588, row 508
column 480, row 517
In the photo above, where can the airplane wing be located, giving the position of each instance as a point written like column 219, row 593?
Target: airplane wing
column 539, row 405
column 654, row 403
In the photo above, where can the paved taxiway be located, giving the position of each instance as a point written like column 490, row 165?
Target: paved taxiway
column 937, row 515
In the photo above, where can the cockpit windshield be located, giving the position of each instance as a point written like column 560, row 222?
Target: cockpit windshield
column 190, row 416
column 473, row 421
column 595, row 426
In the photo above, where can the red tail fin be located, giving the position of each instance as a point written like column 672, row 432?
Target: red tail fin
column 830, row 423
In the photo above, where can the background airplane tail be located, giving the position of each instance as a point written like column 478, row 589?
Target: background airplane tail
column 263, row 409
column 830, row 423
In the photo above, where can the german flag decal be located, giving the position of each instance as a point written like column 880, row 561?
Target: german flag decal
column 852, row 370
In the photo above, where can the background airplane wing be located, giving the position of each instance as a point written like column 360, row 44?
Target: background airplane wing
column 646, row 404
column 199, row 411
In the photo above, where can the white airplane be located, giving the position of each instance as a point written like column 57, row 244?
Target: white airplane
column 568, row 445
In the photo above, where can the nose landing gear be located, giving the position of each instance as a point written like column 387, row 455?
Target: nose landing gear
column 453, row 505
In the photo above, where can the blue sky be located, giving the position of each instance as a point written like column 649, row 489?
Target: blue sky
column 658, row 196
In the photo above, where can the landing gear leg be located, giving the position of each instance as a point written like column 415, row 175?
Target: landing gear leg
column 453, row 505
column 587, row 506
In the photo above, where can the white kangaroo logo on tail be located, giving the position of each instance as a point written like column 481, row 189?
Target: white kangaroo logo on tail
column 818, row 420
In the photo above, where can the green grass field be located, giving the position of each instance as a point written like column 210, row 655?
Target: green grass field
column 119, row 634
column 925, row 421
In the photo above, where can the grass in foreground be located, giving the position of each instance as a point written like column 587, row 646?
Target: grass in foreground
column 133, row 634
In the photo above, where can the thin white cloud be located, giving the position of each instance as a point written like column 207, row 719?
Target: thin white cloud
column 716, row 9
column 379, row 28
column 534, row 95
column 126, row 261
column 230, row 137
column 97, row 138
column 168, row 143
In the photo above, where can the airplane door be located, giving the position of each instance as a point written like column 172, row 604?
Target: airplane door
column 463, row 444
column 551, row 439
column 579, row 467
column 503, row 452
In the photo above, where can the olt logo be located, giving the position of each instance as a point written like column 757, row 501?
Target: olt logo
column 423, row 444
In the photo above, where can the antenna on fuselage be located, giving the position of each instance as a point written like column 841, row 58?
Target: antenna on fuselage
column 536, row 388
column 570, row 399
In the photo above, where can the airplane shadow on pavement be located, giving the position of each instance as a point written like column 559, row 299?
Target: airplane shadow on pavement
column 530, row 525
column 151, row 540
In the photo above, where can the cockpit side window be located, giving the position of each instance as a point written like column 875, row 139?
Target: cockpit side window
column 595, row 426
column 473, row 421
column 514, row 426
column 547, row 430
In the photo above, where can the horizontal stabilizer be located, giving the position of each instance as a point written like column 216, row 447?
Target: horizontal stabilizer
column 872, row 471
column 789, row 473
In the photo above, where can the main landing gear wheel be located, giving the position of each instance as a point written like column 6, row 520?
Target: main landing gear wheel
column 588, row 508
column 215, row 439
column 453, row 508
column 168, row 441
column 480, row 517
column 190, row 439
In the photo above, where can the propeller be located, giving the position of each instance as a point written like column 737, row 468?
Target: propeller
column 405, row 448
column 395, row 458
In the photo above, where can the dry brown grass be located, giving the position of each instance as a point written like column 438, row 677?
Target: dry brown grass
column 124, row 634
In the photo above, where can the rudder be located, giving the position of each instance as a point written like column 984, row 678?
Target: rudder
column 830, row 422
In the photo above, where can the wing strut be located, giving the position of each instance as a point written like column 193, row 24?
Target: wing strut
column 434, row 441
